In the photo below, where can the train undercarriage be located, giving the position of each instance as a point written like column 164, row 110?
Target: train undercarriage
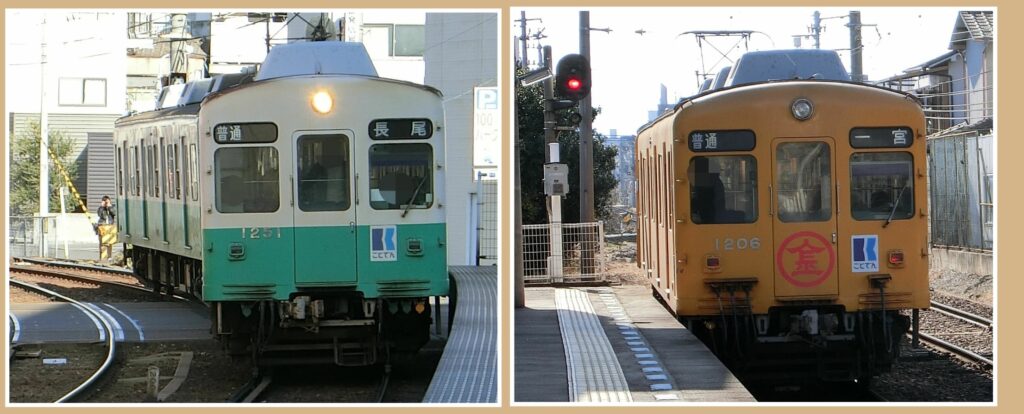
column 797, row 344
column 320, row 326
column 326, row 327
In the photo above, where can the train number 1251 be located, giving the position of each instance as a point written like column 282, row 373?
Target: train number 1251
column 753, row 243
column 261, row 232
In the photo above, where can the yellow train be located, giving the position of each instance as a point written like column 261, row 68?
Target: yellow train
column 784, row 223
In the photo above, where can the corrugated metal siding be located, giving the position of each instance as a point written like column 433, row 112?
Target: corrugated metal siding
column 75, row 126
column 100, row 171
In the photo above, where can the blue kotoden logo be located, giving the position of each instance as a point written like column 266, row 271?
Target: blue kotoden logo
column 383, row 243
column 865, row 253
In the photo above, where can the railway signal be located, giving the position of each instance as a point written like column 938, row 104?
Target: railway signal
column 572, row 77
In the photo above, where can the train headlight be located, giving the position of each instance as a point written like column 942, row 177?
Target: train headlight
column 322, row 102
column 802, row 109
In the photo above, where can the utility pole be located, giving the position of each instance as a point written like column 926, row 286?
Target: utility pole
column 856, row 47
column 268, row 32
column 517, row 254
column 522, row 38
column 44, row 136
column 586, row 134
column 816, row 30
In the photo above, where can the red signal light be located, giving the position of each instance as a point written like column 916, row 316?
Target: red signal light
column 574, row 84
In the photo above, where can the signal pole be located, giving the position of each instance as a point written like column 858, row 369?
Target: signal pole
column 552, row 155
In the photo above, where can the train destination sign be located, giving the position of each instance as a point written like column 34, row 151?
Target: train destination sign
column 245, row 133
column 717, row 141
column 885, row 137
column 406, row 128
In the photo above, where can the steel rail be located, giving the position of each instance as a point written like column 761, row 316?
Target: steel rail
column 958, row 350
column 79, row 266
column 254, row 388
column 111, row 344
column 77, row 278
column 384, row 381
column 962, row 315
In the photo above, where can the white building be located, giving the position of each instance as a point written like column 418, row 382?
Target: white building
column 461, row 53
column 83, row 81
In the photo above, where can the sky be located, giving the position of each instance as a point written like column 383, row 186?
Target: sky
column 628, row 67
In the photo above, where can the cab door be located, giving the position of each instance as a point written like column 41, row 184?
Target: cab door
column 324, row 209
column 804, row 219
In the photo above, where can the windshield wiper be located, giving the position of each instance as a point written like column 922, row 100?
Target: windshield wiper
column 894, row 206
column 414, row 194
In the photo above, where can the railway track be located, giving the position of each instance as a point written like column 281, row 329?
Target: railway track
column 60, row 270
column 259, row 388
column 90, row 383
column 962, row 315
column 963, row 352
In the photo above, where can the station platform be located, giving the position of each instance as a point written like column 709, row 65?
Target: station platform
column 468, row 369
column 614, row 345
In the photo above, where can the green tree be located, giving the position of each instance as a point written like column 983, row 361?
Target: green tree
column 530, row 121
column 24, row 190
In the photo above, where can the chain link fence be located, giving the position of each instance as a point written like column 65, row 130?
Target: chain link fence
column 578, row 258
column 487, row 222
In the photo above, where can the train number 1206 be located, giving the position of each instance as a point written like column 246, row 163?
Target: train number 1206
column 753, row 243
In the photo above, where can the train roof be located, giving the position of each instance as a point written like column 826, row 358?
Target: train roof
column 770, row 65
column 685, row 100
column 185, row 99
column 329, row 58
column 317, row 58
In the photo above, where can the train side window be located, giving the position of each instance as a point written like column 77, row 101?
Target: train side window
column 193, row 162
column 119, row 177
column 170, row 171
column 154, row 155
column 147, row 172
column 804, row 181
column 247, row 180
column 177, row 172
column 135, row 169
column 323, row 162
column 723, row 189
column 881, row 183
column 401, row 176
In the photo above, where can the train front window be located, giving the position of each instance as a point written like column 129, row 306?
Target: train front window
column 804, row 181
column 401, row 176
column 247, row 180
column 723, row 189
column 881, row 184
column 323, row 172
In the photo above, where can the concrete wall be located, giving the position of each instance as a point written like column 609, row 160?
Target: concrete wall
column 979, row 263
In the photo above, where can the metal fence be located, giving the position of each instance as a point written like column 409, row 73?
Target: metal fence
column 578, row 258
column 960, row 190
column 34, row 237
column 487, row 222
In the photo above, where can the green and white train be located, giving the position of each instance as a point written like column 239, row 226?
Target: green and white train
column 304, row 205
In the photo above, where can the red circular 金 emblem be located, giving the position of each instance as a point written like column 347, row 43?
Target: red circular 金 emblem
column 799, row 259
